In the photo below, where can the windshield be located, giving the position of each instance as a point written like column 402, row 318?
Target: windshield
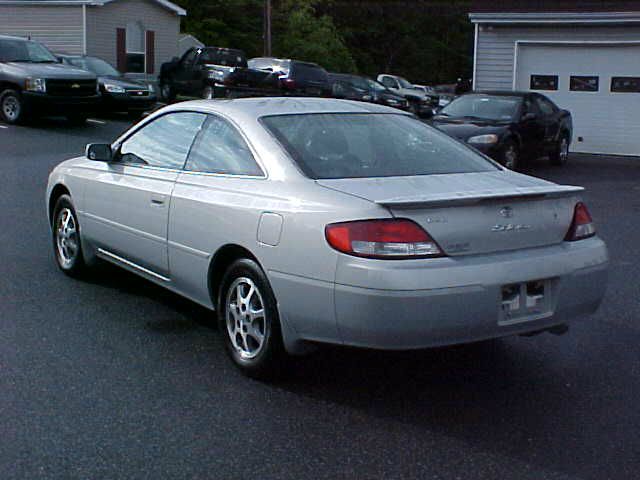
column 227, row 58
column 375, row 86
column 356, row 145
column 24, row 51
column 485, row 107
column 94, row 65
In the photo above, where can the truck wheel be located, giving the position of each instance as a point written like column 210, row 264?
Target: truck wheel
column 12, row 107
column 207, row 93
column 167, row 92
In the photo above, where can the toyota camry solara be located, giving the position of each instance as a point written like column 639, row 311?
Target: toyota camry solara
column 312, row 220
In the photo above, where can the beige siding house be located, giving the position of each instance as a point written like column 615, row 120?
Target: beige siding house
column 136, row 36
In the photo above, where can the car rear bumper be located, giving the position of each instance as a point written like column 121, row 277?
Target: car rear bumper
column 425, row 303
column 41, row 102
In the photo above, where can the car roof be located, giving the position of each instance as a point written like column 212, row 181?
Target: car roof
column 254, row 108
column 11, row 37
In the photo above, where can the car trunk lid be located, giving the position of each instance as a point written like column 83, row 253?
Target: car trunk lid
column 473, row 213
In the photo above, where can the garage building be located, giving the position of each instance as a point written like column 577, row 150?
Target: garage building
column 135, row 36
column 585, row 56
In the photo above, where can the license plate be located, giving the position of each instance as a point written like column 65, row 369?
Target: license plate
column 522, row 302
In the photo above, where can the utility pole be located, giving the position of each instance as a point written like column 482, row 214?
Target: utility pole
column 267, row 28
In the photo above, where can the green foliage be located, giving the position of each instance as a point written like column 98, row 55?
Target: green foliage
column 427, row 41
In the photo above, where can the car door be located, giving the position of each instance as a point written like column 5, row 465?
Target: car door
column 183, row 77
column 215, row 202
column 531, row 126
column 126, row 202
column 550, row 121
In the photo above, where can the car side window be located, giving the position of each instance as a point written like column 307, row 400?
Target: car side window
column 164, row 142
column 219, row 148
column 389, row 82
column 545, row 106
column 190, row 58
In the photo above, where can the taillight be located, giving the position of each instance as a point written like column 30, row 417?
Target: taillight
column 390, row 239
column 582, row 225
column 289, row 83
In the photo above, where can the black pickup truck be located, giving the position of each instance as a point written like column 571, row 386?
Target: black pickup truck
column 214, row 72
column 33, row 82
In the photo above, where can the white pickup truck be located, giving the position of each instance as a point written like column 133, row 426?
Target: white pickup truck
column 420, row 102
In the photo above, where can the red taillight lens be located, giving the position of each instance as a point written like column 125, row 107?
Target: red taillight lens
column 582, row 225
column 288, row 83
column 391, row 238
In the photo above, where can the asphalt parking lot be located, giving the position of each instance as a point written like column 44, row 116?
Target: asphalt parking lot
column 113, row 377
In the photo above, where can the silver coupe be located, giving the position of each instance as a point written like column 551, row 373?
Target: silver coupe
column 303, row 221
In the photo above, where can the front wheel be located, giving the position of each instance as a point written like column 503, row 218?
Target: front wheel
column 249, row 322
column 207, row 93
column 167, row 92
column 560, row 155
column 510, row 155
column 66, row 238
column 12, row 108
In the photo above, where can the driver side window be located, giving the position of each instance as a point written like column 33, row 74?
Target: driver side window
column 164, row 142
column 389, row 82
column 190, row 58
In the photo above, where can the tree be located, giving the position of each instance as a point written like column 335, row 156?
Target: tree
column 302, row 33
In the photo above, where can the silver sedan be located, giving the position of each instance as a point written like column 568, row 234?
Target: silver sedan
column 304, row 221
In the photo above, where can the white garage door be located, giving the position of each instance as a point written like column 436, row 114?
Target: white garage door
column 598, row 84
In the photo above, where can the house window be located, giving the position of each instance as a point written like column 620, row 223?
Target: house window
column 625, row 84
column 544, row 82
column 135, row 48
column 584, row 84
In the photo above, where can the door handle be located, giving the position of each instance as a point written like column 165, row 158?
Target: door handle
column 158, row 200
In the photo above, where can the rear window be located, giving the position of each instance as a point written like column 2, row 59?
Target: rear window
column 228, row 58
column 354, row 145
column 309, row 71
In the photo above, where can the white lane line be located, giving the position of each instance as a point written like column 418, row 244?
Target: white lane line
column 99, row 122
column 3, row 126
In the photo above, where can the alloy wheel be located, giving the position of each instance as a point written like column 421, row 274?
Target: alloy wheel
column 11, row 108
column 67, row 239
column 511, row 157
column 246, row 318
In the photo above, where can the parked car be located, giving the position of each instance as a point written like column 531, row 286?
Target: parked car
column 316, row 220
column 119, row 93
column 354, row 87
column 295, row 77
column 446, row 94
column 509, row 126
column 213, row 72
column 32, row 82
column 420, row 102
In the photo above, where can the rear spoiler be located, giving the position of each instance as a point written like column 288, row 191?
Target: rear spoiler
column 478, row 196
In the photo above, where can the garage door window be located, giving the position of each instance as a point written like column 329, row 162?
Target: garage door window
column 544, row 82
column 584, row 84
column 625, row 84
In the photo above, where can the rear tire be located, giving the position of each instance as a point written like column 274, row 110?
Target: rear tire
column 249, row 322
column 12, row 108
column 67, row 246
column 560, row 154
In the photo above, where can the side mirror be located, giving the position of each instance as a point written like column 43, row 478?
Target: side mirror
column 527, row 117
column 100, row 152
